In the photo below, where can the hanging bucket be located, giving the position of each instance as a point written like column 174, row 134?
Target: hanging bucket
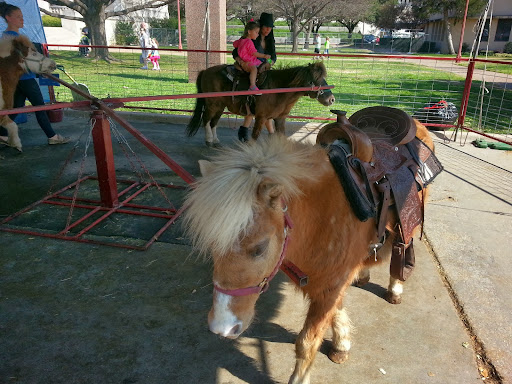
column 55, row 115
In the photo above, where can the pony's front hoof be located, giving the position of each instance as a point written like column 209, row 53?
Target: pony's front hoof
column 338, row 357
column 217, row 145
column 243, row 134
column 392, row 298
column 209, row 144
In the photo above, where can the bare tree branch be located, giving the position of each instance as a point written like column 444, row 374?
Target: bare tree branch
column 61, row 16
column 145, row 5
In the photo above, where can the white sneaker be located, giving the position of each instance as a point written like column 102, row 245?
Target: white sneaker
column 58, row 139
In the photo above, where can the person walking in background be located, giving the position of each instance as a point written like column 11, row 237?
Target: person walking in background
column 316, row 41
column 154, row 55
column 327, row 44
column 248, row 53
column 27, row 87
column 145, row 43
column 84, row 51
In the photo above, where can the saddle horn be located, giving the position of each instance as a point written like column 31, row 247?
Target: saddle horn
column 342, row 129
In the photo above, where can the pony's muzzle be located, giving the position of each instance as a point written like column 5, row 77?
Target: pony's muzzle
column 231, row 331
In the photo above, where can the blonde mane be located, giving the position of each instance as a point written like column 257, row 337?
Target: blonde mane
column 222, row 204
column 6, row 44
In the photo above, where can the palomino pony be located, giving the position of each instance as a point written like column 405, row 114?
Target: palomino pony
column 277, row 200
column 17, row 55
column 268, row 106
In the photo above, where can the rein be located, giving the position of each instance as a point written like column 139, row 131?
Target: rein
column 263, row 286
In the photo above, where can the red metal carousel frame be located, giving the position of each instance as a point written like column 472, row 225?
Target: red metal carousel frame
column 112, row 201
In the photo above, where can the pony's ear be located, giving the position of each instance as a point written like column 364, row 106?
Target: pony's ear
column 270, row 193
column 205, row 167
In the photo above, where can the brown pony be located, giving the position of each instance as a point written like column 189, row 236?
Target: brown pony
column 268, row 106
column 17, row 56
column 276, row 199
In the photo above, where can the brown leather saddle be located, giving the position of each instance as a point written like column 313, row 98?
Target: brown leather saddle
column 382, row 167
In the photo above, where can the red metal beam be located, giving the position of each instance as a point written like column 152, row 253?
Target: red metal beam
column 104, row 156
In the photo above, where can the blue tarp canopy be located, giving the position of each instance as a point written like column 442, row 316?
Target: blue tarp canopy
column 33, row 25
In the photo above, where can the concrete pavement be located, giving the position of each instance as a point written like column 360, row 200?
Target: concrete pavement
column 73, row 313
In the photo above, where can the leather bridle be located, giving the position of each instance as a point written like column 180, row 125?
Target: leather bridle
column 27, row 58
column 263, row 286
column 319, row 92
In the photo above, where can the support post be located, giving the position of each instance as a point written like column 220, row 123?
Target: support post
column 104, row 160
column 206, row 30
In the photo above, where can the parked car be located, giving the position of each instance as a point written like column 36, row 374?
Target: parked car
column 370, row 39
column 407, row 33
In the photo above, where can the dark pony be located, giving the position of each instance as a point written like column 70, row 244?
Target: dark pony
column 268, row 106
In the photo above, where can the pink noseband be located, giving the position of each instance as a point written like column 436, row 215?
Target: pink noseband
column 263, row 286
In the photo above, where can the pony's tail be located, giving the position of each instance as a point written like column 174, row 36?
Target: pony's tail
column 197, row 117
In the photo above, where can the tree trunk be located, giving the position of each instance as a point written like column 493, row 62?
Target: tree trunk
column 308, row 34
column 295, row 36
column 448, row 28
column 95, row 21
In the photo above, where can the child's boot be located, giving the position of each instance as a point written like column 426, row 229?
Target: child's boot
column 243, row 134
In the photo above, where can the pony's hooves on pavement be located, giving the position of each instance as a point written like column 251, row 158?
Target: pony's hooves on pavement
column 393, row 299
column 209, row 144
column 338, row 357
column 217, row 145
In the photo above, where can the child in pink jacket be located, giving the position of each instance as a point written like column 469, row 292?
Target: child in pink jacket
column 248, row 53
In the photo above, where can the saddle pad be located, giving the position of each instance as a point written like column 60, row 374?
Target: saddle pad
column 362, row 205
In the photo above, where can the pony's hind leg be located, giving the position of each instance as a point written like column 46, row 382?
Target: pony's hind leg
column 213, row 125
column 341, row 329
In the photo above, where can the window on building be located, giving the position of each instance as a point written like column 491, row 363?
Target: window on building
column 485, row 33
column 503, row 30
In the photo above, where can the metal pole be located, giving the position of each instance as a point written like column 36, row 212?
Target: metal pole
column 104, row 160
column 179, row 27
column 465, row 97
column 462, row 32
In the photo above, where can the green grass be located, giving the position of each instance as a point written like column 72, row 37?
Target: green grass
column 493, row 67
column 359, row 82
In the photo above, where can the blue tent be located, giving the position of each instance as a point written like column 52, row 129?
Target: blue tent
column 33, row 25
column 33, row 28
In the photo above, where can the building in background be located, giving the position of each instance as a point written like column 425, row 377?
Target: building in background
column 496, row 33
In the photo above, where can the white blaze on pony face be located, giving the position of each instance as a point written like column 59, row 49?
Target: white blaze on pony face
column 252, row 260
column 221, row 320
